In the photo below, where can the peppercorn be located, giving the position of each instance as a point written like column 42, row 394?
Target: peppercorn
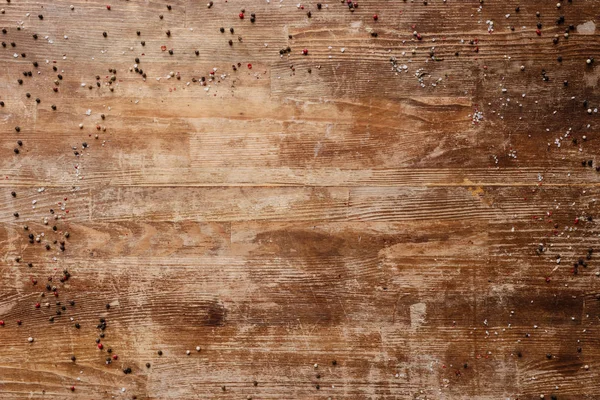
column 147, row 365
column 37, row 100
column 231, row 30
column 160, row 353
column 59, row 76
column 319, row 6
column 53, row 107
column 168, row 33
column 171, row 51
column 20, row 81
column 13, row 194
column 230, row 42
column 20, row 143
column 169, row 7
column 143, row 43
column 104, row 34
column 197, row 52
column 16, row 214
column 222, row 29
column 138, row 33
column 35, row 36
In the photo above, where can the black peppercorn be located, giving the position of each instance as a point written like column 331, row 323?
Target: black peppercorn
column 104, row 34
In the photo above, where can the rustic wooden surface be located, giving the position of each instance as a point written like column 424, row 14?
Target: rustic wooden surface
column 313, row 208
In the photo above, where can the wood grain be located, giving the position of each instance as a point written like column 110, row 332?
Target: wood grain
column 401, row 213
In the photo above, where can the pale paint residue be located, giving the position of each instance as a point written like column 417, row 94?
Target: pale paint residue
column 6, row 307
column 417, row 314
column 587, row 28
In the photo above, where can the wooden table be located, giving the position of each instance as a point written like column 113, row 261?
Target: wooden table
column 395, row 214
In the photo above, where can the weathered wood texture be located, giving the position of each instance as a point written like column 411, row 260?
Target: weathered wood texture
column 409, row 205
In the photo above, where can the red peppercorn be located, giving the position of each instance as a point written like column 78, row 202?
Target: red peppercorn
column 100, row 346
column 539, row 33
column 108, row 6
column 375, row 17
column 241, row 15
column 19, row 322
column 115, row 357
column 305, row 51
column 1, row 322
column 37, row 305
column 249, row 66
column 72, row 388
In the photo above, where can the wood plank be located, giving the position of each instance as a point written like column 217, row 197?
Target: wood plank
column 415, row 198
